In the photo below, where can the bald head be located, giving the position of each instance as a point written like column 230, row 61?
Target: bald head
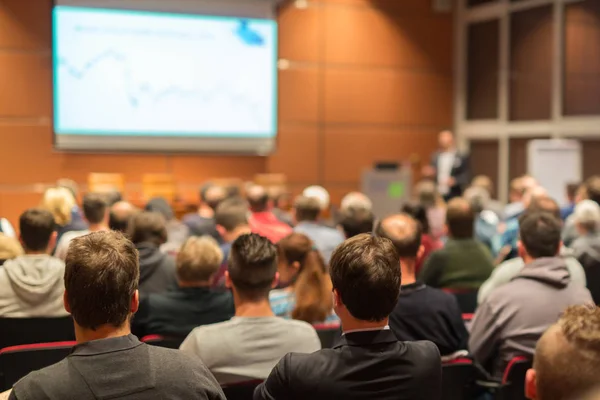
column 214, row 195
column 404, row 232
column 258, row 198
column 120, row 214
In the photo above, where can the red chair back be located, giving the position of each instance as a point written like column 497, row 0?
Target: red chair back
column 328, row 333
column 18, row 361
column 169, row 342
column 513, row 379
column 241, row 390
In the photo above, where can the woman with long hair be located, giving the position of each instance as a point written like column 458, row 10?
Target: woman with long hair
column 307, row 296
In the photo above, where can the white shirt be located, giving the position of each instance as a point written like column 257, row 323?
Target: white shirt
column 445, row 165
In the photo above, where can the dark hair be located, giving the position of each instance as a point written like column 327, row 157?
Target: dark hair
column 460, row 219
column 592, row 188
column 572, row 189
column 147, row 227
column 118, row 223
column 203, row 190
column 307, row 208
column 112, row 197
column 94, row 207
column 406, row 236
column 101, row 276
column 419, row 213
column 161, row 206
column 540, row 233
column 36, row 226
column 365, row 272
column 544, row 204
column 258, row 201
column 232, row 213
column 252, row 265
column 312, row 286
column 355, row 221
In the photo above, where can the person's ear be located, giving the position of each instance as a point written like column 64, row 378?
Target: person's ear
column 228, row 283
column 66, row 303
column 52, row 241
column 275, row 281
column 337, row 300
column 135, row 302
column 521, row 249
column 560, row 245
column 22, row 242
column 296, row 266
column 530, row 385
column 222, row 231
column 420, row 252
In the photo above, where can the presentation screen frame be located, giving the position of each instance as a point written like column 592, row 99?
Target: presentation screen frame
column 202, row 142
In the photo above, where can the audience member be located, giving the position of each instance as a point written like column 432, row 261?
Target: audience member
column 463, row 263
column 120, row 214
column 484, row 182
column 95, row 212
column 571, row 195
column 509, row 269
column 589, row 190
column 281, row 205
column 306, row 213
column 428, row 198
column 369, row 362
column 31, row 285
column 586, row 248
column 449, row 167
column 306, row 295
column 193, row 302
column 567, row 357
column 319, row 193
column 9, row 248
column 486, row 221
column 231, row 218
column 262, row 220
column 60, row 202
column 356, row 201
column 77, row 222
column 101, row 281
column 429, row 243
column 203, row 222
column 518, row 187
column 355, row 220
column 147, row 231
column 113, row 197
column 513, row 317
column 250, row 344
column 422, row 312
column 177, row 231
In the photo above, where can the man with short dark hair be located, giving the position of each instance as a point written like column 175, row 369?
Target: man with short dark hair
column 355, row 221
column 148, row 231
column 203, row 222
column 463, row 263
column 250, row 344
column 369, row 362
column 192, row 303
column 262, row 220
column 422, row 312
column 514, row 316
column 101, row 281
column 31, row 284
column 95, row 211
column 307, row 211
column 567, row 357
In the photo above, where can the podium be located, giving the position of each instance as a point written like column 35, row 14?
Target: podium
column 388, row 186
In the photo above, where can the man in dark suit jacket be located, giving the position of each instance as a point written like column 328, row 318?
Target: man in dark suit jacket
column 449, row 167
column 369, row 362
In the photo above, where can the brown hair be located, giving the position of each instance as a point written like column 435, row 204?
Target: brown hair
column 313, row 285
column 94, row 207
column 147, row 227
column 198, row 259
column 460, row 219
column 567, row 357
column 102, row 273
column 307, row 208
column 36, row 226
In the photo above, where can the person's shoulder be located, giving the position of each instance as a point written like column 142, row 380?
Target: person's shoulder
column 299, row 326
column 438, row 295
column 213, row 329
column 425, row 354
column 44, row 378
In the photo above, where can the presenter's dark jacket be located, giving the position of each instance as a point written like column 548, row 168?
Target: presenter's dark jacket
column 461, row 172
column 120, row 368
column 365, row 365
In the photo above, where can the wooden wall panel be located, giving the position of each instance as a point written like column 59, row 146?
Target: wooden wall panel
column 297, row 153
column 298, row 95
column 484, row 156
column 25, row 25
column 26, row 82
column 518, row 155
column 394, row 7
column 298, row 33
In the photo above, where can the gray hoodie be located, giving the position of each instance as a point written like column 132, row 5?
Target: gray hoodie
column 32, row 286
column 514, row 316
column 587, row 251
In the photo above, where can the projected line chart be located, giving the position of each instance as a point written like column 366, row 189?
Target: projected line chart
column 114, row 77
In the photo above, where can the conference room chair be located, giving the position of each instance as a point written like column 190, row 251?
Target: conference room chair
column 158, row 185
column 100, row 182
column 18, row 331
column 241, row 390
column 18, row 361
column 512, row 386
column 458, row 379
column 329, row 333
column 170, row 342
column 467, row 299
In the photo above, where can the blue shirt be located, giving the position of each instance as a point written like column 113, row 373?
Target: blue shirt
column 325, row 239
column 283, row 303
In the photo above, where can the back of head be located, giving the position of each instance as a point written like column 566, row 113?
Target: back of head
column 365, row 274
column 355, row 221
column 460, row 219
column 161, row 206
column 120, row 215
column 36, row 227
column 101, row 276
column 319, row 193
column 70, row 185
column 517, row 188
column 587, row 215
column 357, row 201
column 252, row 266
column 404, row 232
column 427, row 195
column 231, row 214
column 199, row 259
column 572, row 189
column 94, row 207
column 419, row 213
column 214, row 195
column 544, row 204
column 149, row 227
column 567, row 357
column 477, row 197
column 592, row 188
column 258, row 198
column 113, row 197
column 59, row 201
column 540, row 234
column 307, row 208
column 484, row 182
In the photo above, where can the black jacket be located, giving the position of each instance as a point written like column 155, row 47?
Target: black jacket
column 461, row 172
column 365, row 365
column 157, row 270
column 425, row 313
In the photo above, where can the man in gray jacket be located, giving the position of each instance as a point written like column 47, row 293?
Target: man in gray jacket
column 32, row 285
column 512, row 319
